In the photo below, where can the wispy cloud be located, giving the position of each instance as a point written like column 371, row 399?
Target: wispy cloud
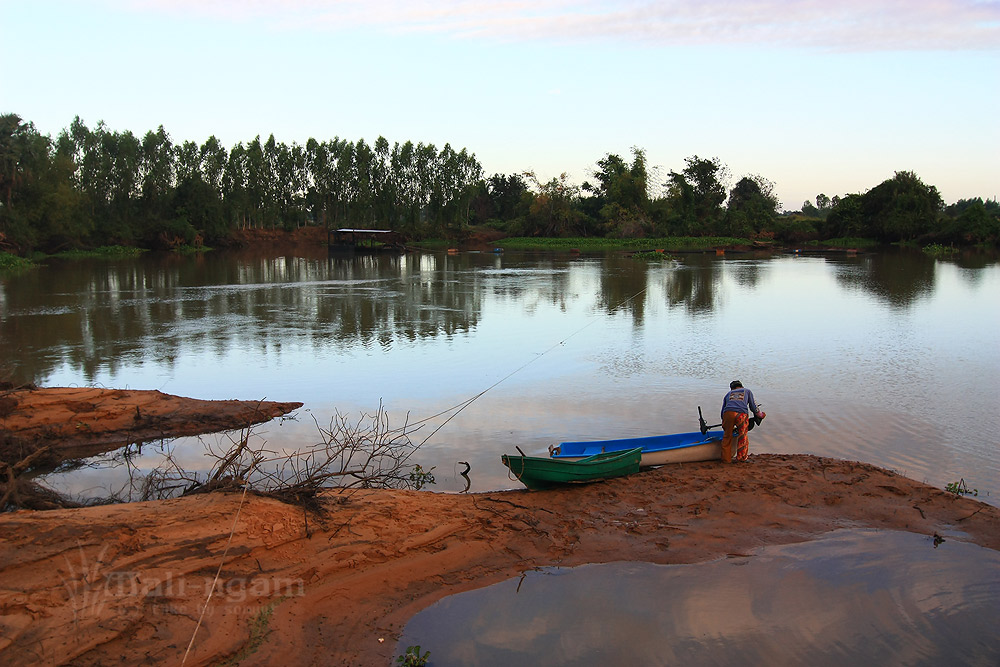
column 849, row 25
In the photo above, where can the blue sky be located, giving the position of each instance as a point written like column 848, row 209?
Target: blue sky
column 830, row 97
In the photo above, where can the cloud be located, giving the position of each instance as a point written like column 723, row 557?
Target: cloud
column 847, row 25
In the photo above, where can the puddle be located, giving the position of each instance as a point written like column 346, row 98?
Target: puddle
column 878, row 596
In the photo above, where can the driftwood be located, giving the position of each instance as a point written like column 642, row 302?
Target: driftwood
column 19, row 491
column 353, row 454
column 361, row 453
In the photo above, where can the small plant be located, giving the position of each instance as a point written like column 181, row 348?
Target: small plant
column 959, row 488
column 420, row 477
column 936, row 250
column 9, row 261
column 413, row 657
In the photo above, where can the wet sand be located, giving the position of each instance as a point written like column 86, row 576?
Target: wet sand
column 127, row 584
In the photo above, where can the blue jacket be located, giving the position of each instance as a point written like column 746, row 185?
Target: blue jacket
column 739, row 400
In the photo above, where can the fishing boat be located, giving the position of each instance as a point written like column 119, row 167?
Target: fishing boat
column 656, row 449
column 538, row 472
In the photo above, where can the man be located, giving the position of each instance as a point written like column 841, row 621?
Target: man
column 736, row 409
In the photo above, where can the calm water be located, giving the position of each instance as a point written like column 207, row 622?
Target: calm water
column 852, row 597
column 892, row 359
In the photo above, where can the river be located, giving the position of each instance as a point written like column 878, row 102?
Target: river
column 888, row 358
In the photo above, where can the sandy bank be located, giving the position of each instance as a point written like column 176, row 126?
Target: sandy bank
column 127, row 584
column 80, row 422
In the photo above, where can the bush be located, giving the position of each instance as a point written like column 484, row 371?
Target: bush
column 9, row 261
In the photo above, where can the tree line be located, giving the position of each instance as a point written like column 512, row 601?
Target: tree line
column 96, row 186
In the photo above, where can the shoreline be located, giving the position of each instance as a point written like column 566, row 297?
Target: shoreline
column 129, row 582
column 123, row 582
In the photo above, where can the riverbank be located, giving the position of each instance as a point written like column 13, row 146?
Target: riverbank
column 43, row 428
column 129, row 583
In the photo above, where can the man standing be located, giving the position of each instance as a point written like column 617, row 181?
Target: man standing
column 736, row 409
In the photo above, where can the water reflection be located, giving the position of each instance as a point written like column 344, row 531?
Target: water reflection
column 898, row 278
column 881, row 358
column 871, row 597
column 101, row 316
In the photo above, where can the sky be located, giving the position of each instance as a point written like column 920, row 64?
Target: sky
column 817, row 96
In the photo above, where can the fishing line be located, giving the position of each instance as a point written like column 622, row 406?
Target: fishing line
column 464, row 404
column 457, row 409
column 217, row 573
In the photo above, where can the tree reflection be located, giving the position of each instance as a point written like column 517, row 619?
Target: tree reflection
column 693, row 284
column 897, row 278
column 96, row 317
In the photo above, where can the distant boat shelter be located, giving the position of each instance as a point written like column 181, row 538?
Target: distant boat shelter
column 365, row 240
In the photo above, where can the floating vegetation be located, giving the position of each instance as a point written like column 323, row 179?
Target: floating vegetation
column 13, row 262
column 413, row 657
column 596, row 243
column 938, row 250
column 651, row 255
column 105, row 252
column 960, row 488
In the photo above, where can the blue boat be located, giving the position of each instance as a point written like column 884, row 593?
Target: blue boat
column 656, row 449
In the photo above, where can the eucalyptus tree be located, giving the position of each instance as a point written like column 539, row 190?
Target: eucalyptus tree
column 188, row 161
column 213, row 157
column 12, row 135
column 291, row 182
column 257, row 183
column 384, row 186
column 234, row 187
column 156, row 171
column 402, row 165
column 345, row 186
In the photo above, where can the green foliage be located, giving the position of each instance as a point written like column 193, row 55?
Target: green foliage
column 9, row 262
column 938, row 250
column 420, row 477
column 105, row 252
column 976, row 222
column 959, row 488
column 695, row 196
column 901, row 208
column 595, row 244
column 793, row 229
column 553, row 210
column 413, row 658
column 752, row 206
column 651, row 255
column 93, row 186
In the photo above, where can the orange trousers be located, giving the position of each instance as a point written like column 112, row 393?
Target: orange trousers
column 739, row 422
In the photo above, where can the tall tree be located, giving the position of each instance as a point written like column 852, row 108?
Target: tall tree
column 752, row 206
column 696, row 195
column 901, row 208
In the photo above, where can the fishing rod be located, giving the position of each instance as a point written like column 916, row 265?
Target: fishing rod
column 754, row 421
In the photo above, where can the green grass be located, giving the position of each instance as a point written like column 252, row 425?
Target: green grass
column 258, row 629
column 938, row 250
column 104, row 252
column 191, row 249
column 432, row 244
column 13, row 262
column 847, row 242
column 596, row 243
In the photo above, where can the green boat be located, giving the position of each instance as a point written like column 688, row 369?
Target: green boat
column 537, row 472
